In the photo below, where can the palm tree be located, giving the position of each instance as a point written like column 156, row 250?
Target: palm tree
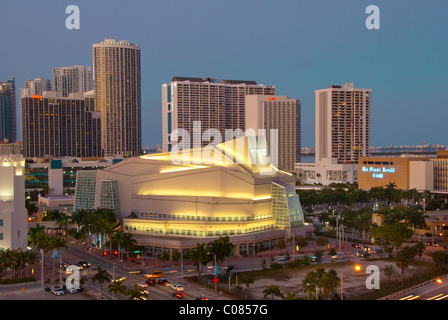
column 272, row 290
column 117, row 287
column 34, row 233
column 101, row 276
column 247, row 281
column 329, row 282
column 137, row 293
column 292, row 295
column 415, row 219
column 198, row 256
column 127, row 242
column 222, row 248
column 31, row 208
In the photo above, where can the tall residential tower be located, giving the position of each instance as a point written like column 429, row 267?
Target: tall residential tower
column 75, row 79
column 8, row 128
column 278, row 113
column 215, row 103
column 117, row 86
column 342, row 123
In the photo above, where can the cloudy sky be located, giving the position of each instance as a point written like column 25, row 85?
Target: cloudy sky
column 297, row 45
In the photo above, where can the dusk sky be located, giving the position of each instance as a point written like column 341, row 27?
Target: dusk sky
column 296, row 45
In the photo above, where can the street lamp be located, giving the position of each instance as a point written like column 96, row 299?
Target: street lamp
column 42, row 273
column 216, row 283
column 312, row 284
column 113, row 269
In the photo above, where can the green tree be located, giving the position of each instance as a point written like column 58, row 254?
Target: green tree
column 391, row 235
column 222, row 248
column 405, row 258
column 199, row 256
column 117, row 287
column 273, row 291
column 137, row 293
column 440, row 259
column 101, row 276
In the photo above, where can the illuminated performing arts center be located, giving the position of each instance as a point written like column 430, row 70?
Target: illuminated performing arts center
column 172, row 203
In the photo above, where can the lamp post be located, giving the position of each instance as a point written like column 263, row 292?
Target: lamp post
column 312, row 284
column 113, row 269
column 42, row 267
column 216, row 283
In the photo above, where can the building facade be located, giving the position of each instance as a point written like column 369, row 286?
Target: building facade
column 13, row 214
column 406, row 172
column 8, row 127
column 117, row 83
column 197, row 105
column 60, row 127
column 342, row 123
column 74, row 79
column 175, row 206
column 279, row 113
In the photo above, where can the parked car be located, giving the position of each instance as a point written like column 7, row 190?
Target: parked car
column 57, row 291
column 71, row 290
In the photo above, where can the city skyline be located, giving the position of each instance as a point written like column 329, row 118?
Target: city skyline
column 286, row 45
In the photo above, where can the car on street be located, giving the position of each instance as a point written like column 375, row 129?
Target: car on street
column 315, row 258
column 57, row 291
column 355, row 245
column 377, row 251
column 155, row 274
column 177, row 287
column 178, row 295
column 84, row 264
column 71, row 290
column 142, row 284
column 164, row 282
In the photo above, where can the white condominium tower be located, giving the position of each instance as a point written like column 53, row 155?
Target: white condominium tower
column 75, row 79
column 215, row 103
column 117, row 86
column 342, row 123
column 282, row 114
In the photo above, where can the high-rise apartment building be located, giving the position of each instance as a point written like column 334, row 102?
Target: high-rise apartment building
column 8, row 127
column 60, row 127
column 117, row 86
column 342, row 123
column 215, row 103
column 35, row 87
column 281, row 114
column 74, row 79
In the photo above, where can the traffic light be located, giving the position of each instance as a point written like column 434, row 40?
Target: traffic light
column 116, row 252
column 104, row 253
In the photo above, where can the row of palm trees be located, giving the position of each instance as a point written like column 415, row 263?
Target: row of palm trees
column 14, row 262
column 348, row 195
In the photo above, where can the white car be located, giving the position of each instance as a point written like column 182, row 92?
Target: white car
column 177, row 287
column 142, row 284
column 71, row 290
column 57, row 291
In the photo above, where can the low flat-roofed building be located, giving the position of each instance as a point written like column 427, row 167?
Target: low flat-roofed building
column 405, row 171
